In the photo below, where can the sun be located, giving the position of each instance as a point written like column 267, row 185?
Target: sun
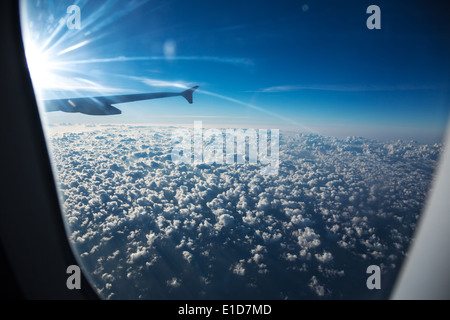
column 41, row 68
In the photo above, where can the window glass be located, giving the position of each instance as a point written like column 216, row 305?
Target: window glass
column 241, row 149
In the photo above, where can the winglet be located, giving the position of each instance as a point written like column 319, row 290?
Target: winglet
column 188, row 94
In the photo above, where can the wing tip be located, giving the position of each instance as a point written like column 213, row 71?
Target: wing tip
column 188, row 94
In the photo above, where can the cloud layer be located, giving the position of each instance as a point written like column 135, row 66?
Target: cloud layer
column 148, row 228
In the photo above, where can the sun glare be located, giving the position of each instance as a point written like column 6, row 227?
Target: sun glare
column 40, row 67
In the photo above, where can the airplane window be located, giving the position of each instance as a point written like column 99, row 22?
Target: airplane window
column 241, row 149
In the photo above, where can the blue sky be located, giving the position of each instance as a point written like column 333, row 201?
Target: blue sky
column 300, row 65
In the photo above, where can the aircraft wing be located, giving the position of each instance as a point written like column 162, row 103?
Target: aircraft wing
column 103, row 105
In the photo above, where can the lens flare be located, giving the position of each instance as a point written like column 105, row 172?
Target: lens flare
column 42, row 71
